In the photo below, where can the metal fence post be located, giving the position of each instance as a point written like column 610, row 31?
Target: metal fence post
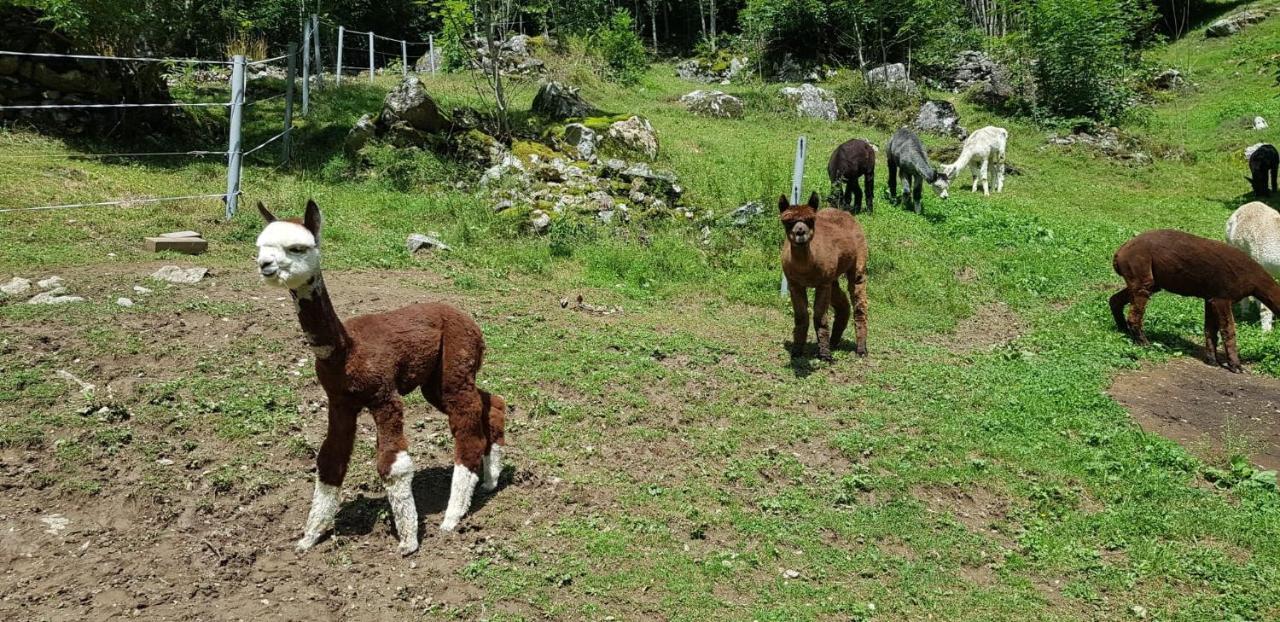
column 315, row 39
column 404, row 58
column 233, row 141
column 337, row 74
column 797, row 182
column 370, row 57
column 306, row 67
column 287, row 140
column 431, row 52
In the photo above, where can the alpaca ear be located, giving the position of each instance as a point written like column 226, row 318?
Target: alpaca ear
column 783, row 203
column 266, row 215
column 312, row 219
column 814, row 201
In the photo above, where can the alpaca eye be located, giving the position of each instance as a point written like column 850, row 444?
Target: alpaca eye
column 297, row 249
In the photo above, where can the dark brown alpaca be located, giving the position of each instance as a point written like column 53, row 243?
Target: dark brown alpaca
column 1190, row 265
column 821, row 246
column 367, row 364
column 853, row 160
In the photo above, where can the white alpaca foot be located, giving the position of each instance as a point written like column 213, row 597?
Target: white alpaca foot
column 492, row 468
column 464, row 485
column 1267, row 317
column 399, row 485
column 324, row 506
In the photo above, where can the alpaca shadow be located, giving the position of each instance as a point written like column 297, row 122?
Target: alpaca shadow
column 431, row 487
column 1190, row 348
column 1232, row 204
column 806, row 364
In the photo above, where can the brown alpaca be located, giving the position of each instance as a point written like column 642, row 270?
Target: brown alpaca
column 1190, row 265
column 368, row 363
column 821, row 246
column 853, row 161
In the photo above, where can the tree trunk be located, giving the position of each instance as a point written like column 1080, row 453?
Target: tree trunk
column 713, row 25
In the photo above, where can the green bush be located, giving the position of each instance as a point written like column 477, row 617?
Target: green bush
column 875, row 103
column 1075, row 83
column 624, row 55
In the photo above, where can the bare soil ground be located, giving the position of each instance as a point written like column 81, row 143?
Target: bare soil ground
column 1211, row 411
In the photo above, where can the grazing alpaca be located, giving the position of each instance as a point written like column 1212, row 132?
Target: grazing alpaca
column 1264, row 161
column 368, row 363
column 1190, row 265
column 1255, row 229
column 983, row 148
column 907, row 158
column 853, row 159
column 821, row 246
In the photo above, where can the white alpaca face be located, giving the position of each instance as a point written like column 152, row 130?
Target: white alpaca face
column 287, row 255
column 940, row 185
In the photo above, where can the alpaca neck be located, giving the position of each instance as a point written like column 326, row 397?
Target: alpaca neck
column 324, row 331
column 966, row 156
column 1269, row 294
column 800, row 252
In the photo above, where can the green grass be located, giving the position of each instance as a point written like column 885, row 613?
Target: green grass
column 712, row 465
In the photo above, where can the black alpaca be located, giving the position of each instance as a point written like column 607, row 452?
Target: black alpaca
column 1263, row 163
column 850, row 161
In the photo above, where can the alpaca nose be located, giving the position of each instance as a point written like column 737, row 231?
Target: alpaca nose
column 268, row 268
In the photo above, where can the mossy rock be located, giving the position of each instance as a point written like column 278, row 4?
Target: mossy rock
column 524, row 149
column 601, row 124
column 475, row 145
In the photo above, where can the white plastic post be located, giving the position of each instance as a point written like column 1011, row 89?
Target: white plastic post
column 287, row 140
column 431, row 52
column 370, row 57
column 337, row 73
column 306, row 67
column 797, row 182
column 315, row 39
column 404, row 58
column 233, row 140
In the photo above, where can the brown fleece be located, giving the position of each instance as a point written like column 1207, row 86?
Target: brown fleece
column 837, row 247
column 850, row 161
column 1190, row 265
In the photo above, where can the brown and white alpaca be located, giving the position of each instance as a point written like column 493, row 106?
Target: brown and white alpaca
column 821, row 246
column 368, row 363
column 1190, row 265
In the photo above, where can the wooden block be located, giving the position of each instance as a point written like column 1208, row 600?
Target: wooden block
column 190, row 246
column 180, row 234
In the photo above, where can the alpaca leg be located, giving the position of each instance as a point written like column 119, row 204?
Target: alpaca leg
column 893, row 181
column 986, row 187
column 396, row 469
column 918, row 194
column 331, row 469
column 851, row 187
column 976, row 174
column 1211, row 331
column 821, row 302
column 1137, row 308
column 870, row 182
column 465, row 408
column 1118, row 301
column 1000, row 172
column 1227, row 322
column 858, row 291
column 495, row 409
column 800, row 313
column 840, row 303
column 1265, row 315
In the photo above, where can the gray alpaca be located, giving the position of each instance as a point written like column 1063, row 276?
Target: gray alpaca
column 907, row 158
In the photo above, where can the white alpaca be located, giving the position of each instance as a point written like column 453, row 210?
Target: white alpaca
column 1255, row 229
column 982, row 148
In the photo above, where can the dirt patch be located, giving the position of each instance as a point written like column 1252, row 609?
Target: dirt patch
column 979, row 509
column 992, row 325
column 1209, row 410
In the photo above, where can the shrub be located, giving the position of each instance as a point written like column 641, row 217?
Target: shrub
column 624, row 55
column 875, row 103
column 1076, row 84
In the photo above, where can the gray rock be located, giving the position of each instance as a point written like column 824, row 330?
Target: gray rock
column 713, row 104
column 940, row 117
column 558, row 101
column 1260, row 123
column 811, row 101
column 704, row 70
column 55, row 296
column 893, row 74
column 360, row 135
column 583, row 139
column 1168, row 79
column 410, row 103
column 509, row 166
column 417, row 242
column 635, row 134
column 971, row 68
column 141, row 290
column 1233, row 24
column 180, row 276
column 539, row 222
column 503, row 206
column 746, row 213
column 50, row 283
column 428, row 62
column 124, row 302
column 17, row 286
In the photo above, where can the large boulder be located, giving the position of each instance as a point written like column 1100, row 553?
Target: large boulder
column 720, row 70
column 560, row 101
column 939, row 116
column 1233, row 24
column 429, row 62
column 1168, row 80
column 812, row 102
column 635, row 134
column 713, row 104
column 410, row 103
column 582, row 139
column 364, row 131
column 892, row 75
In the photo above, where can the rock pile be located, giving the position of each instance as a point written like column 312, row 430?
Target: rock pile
column 939, row 116
column 514, row 56
column 1107, row 141
column 789, row 70
column 720, row 70
column 1233, row 24
column 49, row 291
column 973, row 67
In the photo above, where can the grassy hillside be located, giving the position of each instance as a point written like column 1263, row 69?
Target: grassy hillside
column 668, row 461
